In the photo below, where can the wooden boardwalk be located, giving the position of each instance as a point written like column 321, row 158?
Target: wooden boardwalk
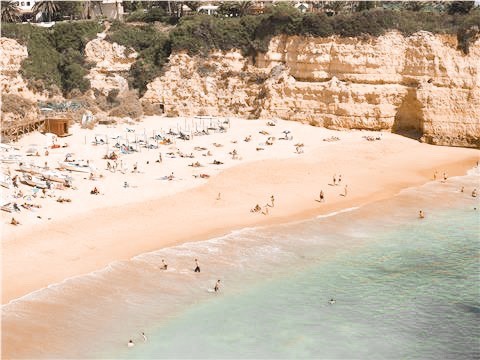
column 14, row 131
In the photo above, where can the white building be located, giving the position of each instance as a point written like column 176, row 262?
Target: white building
column 25, row 6
column 208, row 9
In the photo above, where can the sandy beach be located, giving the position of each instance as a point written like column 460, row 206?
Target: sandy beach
column 141, row 210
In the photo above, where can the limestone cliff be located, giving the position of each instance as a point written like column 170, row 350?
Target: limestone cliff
column 420, row 85
column 112, row 62
column 11, row 82
column 17, row 99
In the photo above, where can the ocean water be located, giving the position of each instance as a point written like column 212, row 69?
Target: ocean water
column 405, row 288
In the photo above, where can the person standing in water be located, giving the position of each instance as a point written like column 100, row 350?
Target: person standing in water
column 164, row 265
column 197, row 267
column 217, row 286
column 130, row 343
column 421, row 215
column 144, row 337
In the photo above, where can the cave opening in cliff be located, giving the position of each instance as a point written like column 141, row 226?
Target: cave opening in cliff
column 409, row 117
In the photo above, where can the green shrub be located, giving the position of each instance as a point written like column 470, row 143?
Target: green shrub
column 150, row 16
column 469, row 31
column 55, row 55
column 153, row 47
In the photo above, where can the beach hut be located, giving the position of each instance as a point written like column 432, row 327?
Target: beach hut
column 57, row 126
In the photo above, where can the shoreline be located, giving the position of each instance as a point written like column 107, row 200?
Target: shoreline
column 455, row 169
column 145, row 294
column 93, row 232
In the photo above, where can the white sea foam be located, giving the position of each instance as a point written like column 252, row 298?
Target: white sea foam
column 338, row 212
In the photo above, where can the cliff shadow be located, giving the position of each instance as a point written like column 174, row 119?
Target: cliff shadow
column 409, row 117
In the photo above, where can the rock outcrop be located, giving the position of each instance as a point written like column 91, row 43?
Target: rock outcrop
column 112, row 62
column 11, row 82
column 18, row 101
column 419, row 85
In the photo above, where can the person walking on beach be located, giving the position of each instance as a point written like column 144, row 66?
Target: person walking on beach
column 444, row 176
column 339, row 179
column 197, row 267
column 322, row 197
column 345, row 191
column 160, row 157
column 272, row 199
column 462, row 189
column 421, row 215
column 219, row 196
column 474, row 193
column 435, row 175
column 217, row 286
column 334, row 179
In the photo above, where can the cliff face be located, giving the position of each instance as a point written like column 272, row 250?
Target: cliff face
column 111, row 62
column 420, row 85
column 11, row 82
column 18, row 101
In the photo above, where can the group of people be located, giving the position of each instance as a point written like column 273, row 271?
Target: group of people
column 164, row 266
column 258, row 208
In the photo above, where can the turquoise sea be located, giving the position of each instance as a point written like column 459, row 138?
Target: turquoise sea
column 405, row 288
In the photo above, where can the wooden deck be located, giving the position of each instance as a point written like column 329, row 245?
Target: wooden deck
column 15, row 131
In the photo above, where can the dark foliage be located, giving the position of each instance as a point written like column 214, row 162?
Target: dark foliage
column 56, row 55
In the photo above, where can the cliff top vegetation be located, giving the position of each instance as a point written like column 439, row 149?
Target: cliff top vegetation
column 232, row 28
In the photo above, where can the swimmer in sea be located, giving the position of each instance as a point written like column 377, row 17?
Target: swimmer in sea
column 197, row 267
column 332, row 301
column 130, row 343
column 217, row 286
